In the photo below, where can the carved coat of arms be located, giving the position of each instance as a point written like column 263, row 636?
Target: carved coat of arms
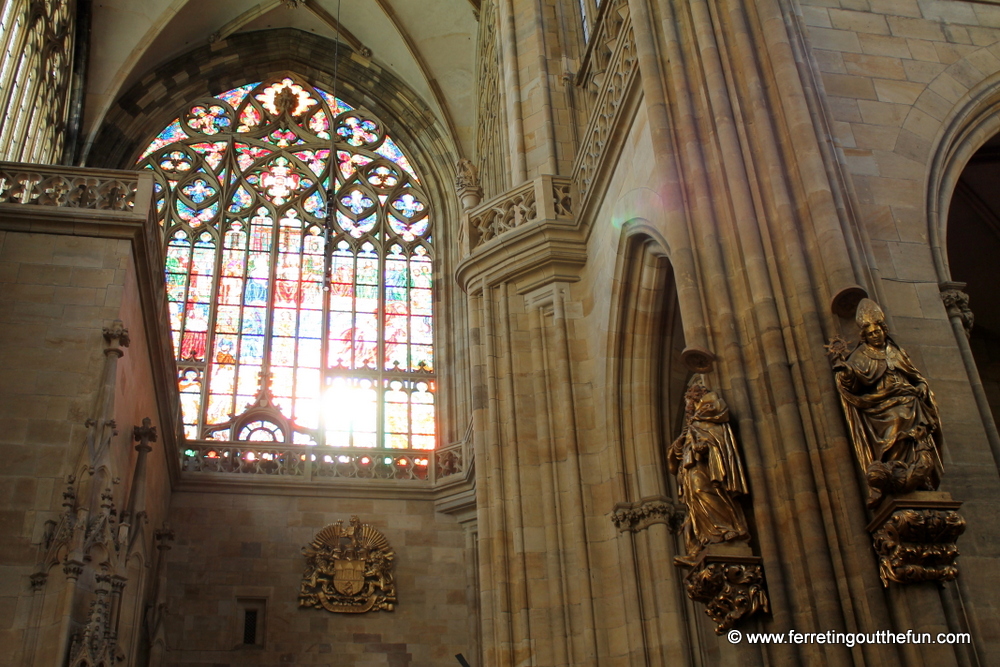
column 348, row 570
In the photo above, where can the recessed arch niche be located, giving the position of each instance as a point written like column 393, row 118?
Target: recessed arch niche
column 973, row 246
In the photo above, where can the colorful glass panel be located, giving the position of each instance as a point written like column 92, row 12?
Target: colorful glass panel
column 341, row 341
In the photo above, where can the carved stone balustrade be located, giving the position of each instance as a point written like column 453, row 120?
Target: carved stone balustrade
column 304, row 464
column 544, row 198
column 530, row 228
column 608, row 79
column 69, row 191
column 609, row 27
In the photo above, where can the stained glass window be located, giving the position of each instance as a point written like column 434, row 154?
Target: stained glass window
column 35, row 71
column 289, row 324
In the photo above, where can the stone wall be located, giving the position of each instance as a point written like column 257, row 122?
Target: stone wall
column 233, row 547
column 57, row 292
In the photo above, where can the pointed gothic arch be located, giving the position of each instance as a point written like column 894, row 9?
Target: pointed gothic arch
column 299, row 274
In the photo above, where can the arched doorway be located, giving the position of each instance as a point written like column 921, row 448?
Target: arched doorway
column 973, row 247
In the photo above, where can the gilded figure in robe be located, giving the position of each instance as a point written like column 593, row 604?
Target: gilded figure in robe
column 891, row 412
column 710, row 477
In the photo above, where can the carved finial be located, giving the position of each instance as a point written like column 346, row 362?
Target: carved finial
column 467, row 184
column 117, row 335
column 144, row 434
column 137, row 496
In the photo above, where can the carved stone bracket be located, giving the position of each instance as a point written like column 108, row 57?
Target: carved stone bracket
column 730, row 582
column 915, row 535
column 164, row 536
column 38, row 580
column 956, row 302
column 117, row 337
column 633, row 517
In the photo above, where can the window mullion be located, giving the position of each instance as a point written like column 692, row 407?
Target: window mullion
column 328, row 234
column 213, row 311
column 272, row 287
column 14, row 60
column 380, row 374
column 225, row 192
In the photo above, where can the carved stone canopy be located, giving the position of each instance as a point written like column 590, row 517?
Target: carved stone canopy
column 348, row 570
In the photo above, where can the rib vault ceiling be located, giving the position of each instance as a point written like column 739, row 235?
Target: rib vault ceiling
column 429, row 44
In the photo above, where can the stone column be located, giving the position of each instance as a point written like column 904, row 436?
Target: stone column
column 537, row 606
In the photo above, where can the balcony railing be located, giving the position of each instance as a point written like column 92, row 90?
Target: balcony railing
column 67, row 187
column 544, row 198
column 307, row 463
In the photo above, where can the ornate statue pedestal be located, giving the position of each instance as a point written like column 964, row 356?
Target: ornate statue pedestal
column 729, row 580
column 914, row 536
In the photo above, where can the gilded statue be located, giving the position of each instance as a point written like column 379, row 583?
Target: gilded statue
column 891, row 413
column 709, row 473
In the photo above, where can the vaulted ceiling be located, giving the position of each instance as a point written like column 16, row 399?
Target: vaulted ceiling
column 429, row 44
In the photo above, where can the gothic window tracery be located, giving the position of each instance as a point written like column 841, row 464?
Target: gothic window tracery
column 35, row 70
column 327, row 326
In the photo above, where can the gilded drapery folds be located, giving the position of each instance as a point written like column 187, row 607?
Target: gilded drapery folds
column 724, row 575
column 349, row 570
column 895, row 428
